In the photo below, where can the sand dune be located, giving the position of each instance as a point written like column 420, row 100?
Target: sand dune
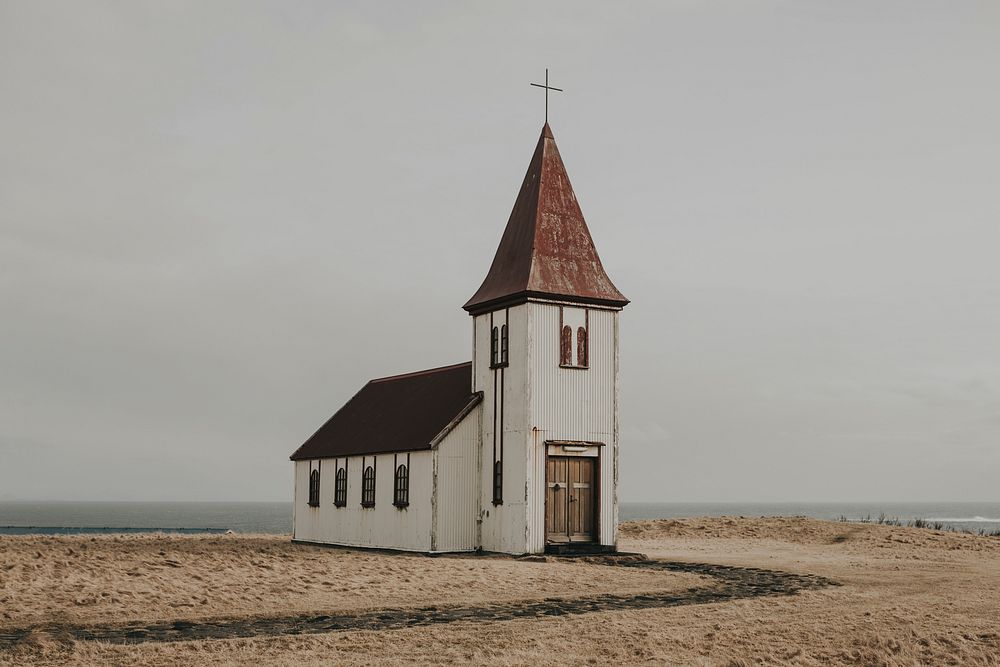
column 802, row 530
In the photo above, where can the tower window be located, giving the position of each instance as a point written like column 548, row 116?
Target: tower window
column 574, row 337
column 340, row 487
column 314, row 488
column 581, row 347
column 368, row 487
column 503, row 345
column 566, row 346
column 494, row 347
column 498, row 482
column 498, row 347
column 401, row 490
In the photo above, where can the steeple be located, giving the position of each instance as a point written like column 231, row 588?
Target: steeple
column 546, row 250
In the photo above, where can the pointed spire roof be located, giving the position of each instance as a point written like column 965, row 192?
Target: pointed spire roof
column 546, row 250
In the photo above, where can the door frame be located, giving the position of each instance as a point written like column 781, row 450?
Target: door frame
column 595, row 485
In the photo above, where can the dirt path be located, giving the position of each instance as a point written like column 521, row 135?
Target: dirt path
column 731, row 583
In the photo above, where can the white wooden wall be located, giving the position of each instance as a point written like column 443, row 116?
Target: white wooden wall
column 573, row 404
column 542, row 401
column 385, row 525
column 441, row 515
column 504, row 527
column 455, row 497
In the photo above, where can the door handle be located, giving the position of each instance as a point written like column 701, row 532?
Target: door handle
column 572, row 499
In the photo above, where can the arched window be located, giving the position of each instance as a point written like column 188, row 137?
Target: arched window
column 401, row 490
column 494, row 347
column 566, row 346
column 314, row 488
column 368, row 487
column 340, row 488
column 498, row 483
column 581, row 347
column 503, row 345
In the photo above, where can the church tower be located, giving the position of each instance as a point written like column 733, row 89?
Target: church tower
column 545, row 357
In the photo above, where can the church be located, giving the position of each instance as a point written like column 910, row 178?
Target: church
column 515, row 451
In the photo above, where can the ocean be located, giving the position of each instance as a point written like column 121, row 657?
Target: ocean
column 50, row 518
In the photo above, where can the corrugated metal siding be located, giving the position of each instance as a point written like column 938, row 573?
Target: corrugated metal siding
column 295, row 496
column 383, row 526
column 455, row 501
column 504, row 526
column 615, row 450
column 573, row 404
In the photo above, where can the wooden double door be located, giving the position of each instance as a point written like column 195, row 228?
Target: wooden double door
column 570, row 499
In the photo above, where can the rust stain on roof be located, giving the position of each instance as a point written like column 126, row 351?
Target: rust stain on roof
column 546, row 250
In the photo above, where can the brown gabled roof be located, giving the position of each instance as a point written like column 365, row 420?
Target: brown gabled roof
column 546, row 250
column 395, row 414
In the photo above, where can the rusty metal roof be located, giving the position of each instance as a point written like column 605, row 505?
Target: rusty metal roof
column 396, row 414
column 546, row 250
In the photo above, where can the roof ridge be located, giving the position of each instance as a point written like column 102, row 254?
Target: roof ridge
column 428, row 371
column 546, row 134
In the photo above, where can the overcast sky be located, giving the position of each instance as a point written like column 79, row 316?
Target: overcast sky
column 217, row 220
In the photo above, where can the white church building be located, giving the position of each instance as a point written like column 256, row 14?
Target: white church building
column 515, row 451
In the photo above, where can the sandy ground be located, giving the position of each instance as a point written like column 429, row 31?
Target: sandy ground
column 117, row 579
column 909, row 597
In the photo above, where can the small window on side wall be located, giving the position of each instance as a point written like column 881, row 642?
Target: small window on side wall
column 401, row 489
column 368, row 487
column 314, row 488
column 340, row 488
column 498, row 483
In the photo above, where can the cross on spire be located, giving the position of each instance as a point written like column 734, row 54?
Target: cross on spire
column 547, row 88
